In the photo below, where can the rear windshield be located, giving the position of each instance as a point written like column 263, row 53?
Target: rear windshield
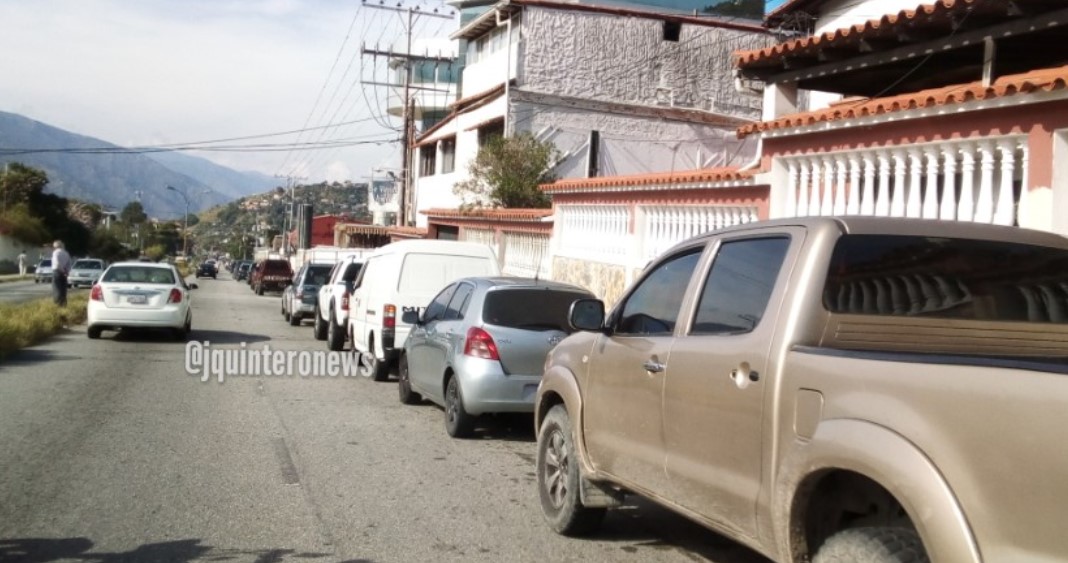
column 351, row 272
column 87, row 265
column 426, row 274
column 135, row 274
column 948, row 278
column 530, row 309
column 46, row 263
column 275, row 266
column 317, row 275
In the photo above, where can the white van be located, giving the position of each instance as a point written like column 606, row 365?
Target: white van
column 406, row 274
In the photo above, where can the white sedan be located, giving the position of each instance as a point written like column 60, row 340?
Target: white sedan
column 140, row 295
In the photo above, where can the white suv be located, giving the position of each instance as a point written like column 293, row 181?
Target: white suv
column 332, row 306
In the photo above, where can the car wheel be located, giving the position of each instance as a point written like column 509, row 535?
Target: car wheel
column 404, row 383
column 874, row 545
column 319, row 329
column 94, row 332
column 379, row 369
column 559, row 478
column 294, row 320
column 259, row 289
column 458, row 423
column 335, row 336
column 182, row 334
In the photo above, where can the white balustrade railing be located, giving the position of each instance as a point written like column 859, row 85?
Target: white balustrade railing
column 526, row 255
column 664, row 226
column 483, row 236
column 971, row 180
column 595, row 232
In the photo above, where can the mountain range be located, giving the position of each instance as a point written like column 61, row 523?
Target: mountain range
column 114, row 179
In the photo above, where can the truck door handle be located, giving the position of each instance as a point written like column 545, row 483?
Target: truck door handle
column 743, row 375
column 652, row 366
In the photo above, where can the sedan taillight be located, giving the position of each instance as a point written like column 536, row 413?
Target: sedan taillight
column 97, row 293
column 480, row 344
column 175, row 296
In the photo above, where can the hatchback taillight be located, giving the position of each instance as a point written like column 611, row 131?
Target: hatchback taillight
column 480, row 344
column 175, row 296
column 389, row 316
column 97, row 293
column 345, row 301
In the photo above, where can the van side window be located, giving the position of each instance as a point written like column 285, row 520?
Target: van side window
column 653, row 306
column 739, row 285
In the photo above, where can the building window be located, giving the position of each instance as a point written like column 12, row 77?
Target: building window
column 427, row 159
column 672, row 31
column 485, row 133
column 448, row 155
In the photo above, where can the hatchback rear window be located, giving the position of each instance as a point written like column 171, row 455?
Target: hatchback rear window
column 87, row 265
column 948, row 278
column 530, row 309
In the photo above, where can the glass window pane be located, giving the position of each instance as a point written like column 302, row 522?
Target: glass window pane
column 653, row 307
column 531, row 309
column 458, row 303
column 739, row 285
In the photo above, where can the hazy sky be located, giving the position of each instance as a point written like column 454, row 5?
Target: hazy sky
column 145, row 72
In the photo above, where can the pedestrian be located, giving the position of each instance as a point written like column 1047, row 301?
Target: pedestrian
column 22, row 264
column 60, row 269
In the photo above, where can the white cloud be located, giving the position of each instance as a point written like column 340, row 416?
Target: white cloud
column 177, row 71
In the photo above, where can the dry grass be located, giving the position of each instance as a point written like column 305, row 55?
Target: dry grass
column 26, row 324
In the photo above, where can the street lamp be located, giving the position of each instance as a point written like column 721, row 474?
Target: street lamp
column 185, row 218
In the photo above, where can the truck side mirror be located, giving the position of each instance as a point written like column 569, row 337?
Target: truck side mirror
column 411, row 316
column 586, row 314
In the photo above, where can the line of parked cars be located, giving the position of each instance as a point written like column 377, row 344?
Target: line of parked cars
column 440, row 316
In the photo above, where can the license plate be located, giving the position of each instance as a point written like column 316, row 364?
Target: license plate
column 137, row 300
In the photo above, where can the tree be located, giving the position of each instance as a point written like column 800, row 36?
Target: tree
column 751, row 9
column 21, row 183
column 22, row 225
column 104, row 244
column 192, row 219
column 156, row 252
column 133, row 213
column 507, row 173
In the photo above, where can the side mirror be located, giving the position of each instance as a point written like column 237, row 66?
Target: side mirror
column 586, row 314
column 410, row 316
column 193, row 286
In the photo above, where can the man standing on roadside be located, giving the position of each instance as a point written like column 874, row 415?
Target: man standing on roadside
column 22, row 264
column 60, row 269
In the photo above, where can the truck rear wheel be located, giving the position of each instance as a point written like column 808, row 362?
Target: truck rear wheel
column 873, row 545
column 559, row 479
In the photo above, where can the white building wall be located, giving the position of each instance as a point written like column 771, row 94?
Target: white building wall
column 844, row 13
column 618, row 59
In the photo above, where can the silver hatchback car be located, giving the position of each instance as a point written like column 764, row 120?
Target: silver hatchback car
column 480, row 346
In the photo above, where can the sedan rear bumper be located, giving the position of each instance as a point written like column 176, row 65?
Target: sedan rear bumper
column 100, row 315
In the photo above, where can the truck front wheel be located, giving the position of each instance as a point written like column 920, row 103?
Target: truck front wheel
column 559, row 478
column 873, row 545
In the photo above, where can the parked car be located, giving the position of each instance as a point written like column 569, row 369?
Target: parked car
column 406, row 274
column 85, row 272
column 480, row 345
column 299, row 297
column 826, row 389
column 206, row 270
column 332, row 304
column 272, row 274
column 241, row 271
column 43, row 272
column 140, row 295
column 255, row 267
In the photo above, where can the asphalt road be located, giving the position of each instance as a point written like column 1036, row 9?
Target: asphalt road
column 17, row 292
column 110, row 452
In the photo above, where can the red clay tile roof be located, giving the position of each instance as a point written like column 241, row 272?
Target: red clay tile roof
column 707, row 175
column 852, row 33
column 410, row 232
column 495, row 214
column 1044, row 80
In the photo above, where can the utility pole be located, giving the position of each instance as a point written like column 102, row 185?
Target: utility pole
column 289, row 222
column 408, row 130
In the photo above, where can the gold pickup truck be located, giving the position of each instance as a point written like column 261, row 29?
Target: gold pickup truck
column 827, row 390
